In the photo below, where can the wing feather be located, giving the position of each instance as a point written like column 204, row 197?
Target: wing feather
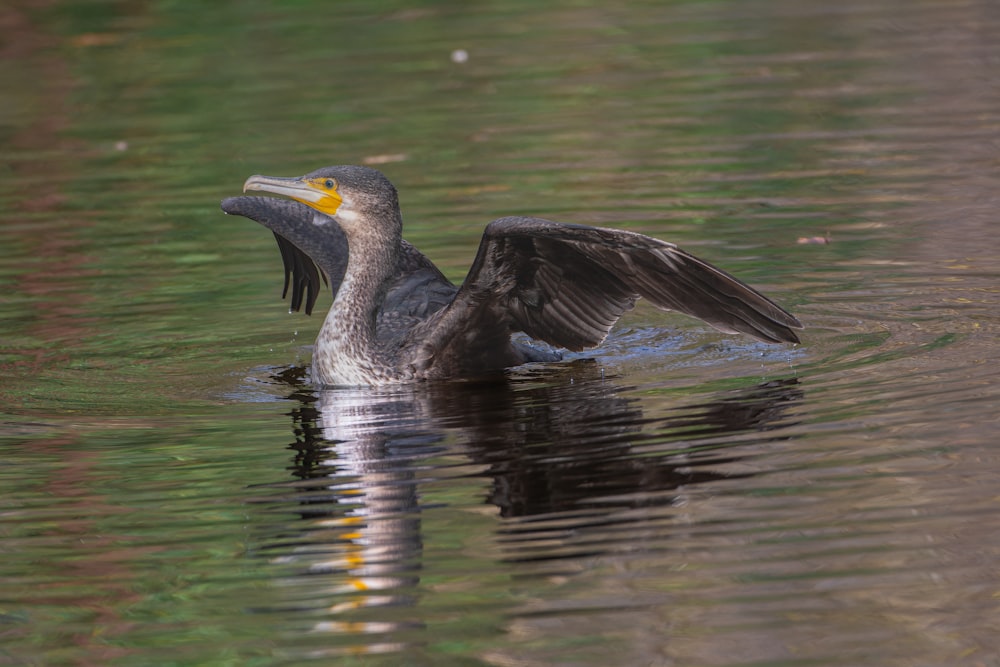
column 568, row 284
column 563, row 298
column 301, row 274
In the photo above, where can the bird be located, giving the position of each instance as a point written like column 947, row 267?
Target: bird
column 395, row 317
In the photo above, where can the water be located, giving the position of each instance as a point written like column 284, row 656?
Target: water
column 173, row 493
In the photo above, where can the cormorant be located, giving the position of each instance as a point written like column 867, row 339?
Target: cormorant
column 396, row 318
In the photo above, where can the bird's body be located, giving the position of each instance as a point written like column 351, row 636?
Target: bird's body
column 396, row 318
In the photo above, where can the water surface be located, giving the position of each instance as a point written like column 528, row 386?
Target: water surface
column 172, row 491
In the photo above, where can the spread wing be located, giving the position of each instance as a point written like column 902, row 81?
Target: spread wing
column 417, row 290
column 301, row 273
column 568, row 284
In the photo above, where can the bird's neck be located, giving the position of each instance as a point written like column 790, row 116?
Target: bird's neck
column 347, row 350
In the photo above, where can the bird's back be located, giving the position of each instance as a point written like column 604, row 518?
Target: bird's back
column 416, row 292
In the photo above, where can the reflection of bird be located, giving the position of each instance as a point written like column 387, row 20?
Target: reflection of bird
column 396, row 318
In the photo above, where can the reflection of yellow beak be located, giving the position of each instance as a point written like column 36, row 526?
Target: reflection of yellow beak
column 319, row 193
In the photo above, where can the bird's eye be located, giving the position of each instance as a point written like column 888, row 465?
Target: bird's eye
column 330, row 183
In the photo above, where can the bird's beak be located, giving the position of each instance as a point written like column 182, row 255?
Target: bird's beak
column 318, row 193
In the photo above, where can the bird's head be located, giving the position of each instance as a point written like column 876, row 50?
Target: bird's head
column 356, row 197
